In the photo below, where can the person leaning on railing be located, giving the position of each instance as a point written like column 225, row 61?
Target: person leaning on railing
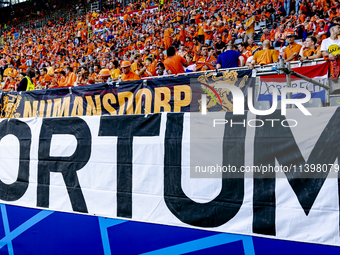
column 128, row 75
column 265, row 56
column 330, row 48
column 82, row 77
column 114, row 68
column 70, row 78
column 229, row 58
column 174, row 63
column 309, row 50
column 292, row 50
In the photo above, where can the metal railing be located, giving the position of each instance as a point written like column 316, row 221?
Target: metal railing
column 259, row 70
column 263, row 71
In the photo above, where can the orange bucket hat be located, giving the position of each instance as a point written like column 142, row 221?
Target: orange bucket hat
column 125, row 64
column 105, row 73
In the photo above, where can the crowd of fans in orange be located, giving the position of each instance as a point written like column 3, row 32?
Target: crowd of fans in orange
column 130, row 44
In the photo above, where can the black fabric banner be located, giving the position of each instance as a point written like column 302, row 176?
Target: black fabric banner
column 167, row 94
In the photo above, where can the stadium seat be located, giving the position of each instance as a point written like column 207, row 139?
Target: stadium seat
column 262, row 105
column 335, row 101
column 299, row 41
column 237, row 41
column 313, row 102
column 262, row 24
column 257, row 28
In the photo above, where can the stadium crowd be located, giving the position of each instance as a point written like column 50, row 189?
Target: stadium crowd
column 144, row 40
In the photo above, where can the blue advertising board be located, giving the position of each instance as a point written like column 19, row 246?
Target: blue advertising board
column 33, row 231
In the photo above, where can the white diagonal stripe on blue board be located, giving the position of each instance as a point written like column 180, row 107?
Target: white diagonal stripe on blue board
column 207, row 242
column 104, row 224
column 6, row 228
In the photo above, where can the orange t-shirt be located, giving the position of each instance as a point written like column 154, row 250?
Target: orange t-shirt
column 289, row 50
column 310, row 52
column 251, row 29
column 269, row 37
column 208, row 35
column 134, row 67
column 69, row 81
column 131, row 76
column 175, row 64
column 209, row 61
column 151, row 68
column 265, row 57
column 45, row 79
column 95, row 76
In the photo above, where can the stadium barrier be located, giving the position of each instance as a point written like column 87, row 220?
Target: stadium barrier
column 170, row 94
column 166, row 93
column 136, row 167
column 129, row 184
column 259, row 69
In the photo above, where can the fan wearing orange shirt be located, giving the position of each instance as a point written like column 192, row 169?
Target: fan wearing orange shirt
column 150, row 68
column 301, row 16
column 167, row 37
column 174, row 63
column 137, row 66
column 267, row 35
column 243, row 50
column 207, row 61
column 322, row 29
column 70, row 79
column 182, row 52
column 196, row 48
column 309, row 50
column 292, row 51
column 332, row 14
column 208, row 33
column 60, row 78
column 84, row 34
column 154, row 50
column 200, row 33
column 266, row 14
column 250, row 27
column 44, row 79
column 128, row 75
column 226, row 36
column 182, row 35
column 89, row 48
column 251, row 45
column 95, row 76
column 264, row 56
column 9, row 84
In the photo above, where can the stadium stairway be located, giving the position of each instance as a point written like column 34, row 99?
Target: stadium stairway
column 257, row 37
